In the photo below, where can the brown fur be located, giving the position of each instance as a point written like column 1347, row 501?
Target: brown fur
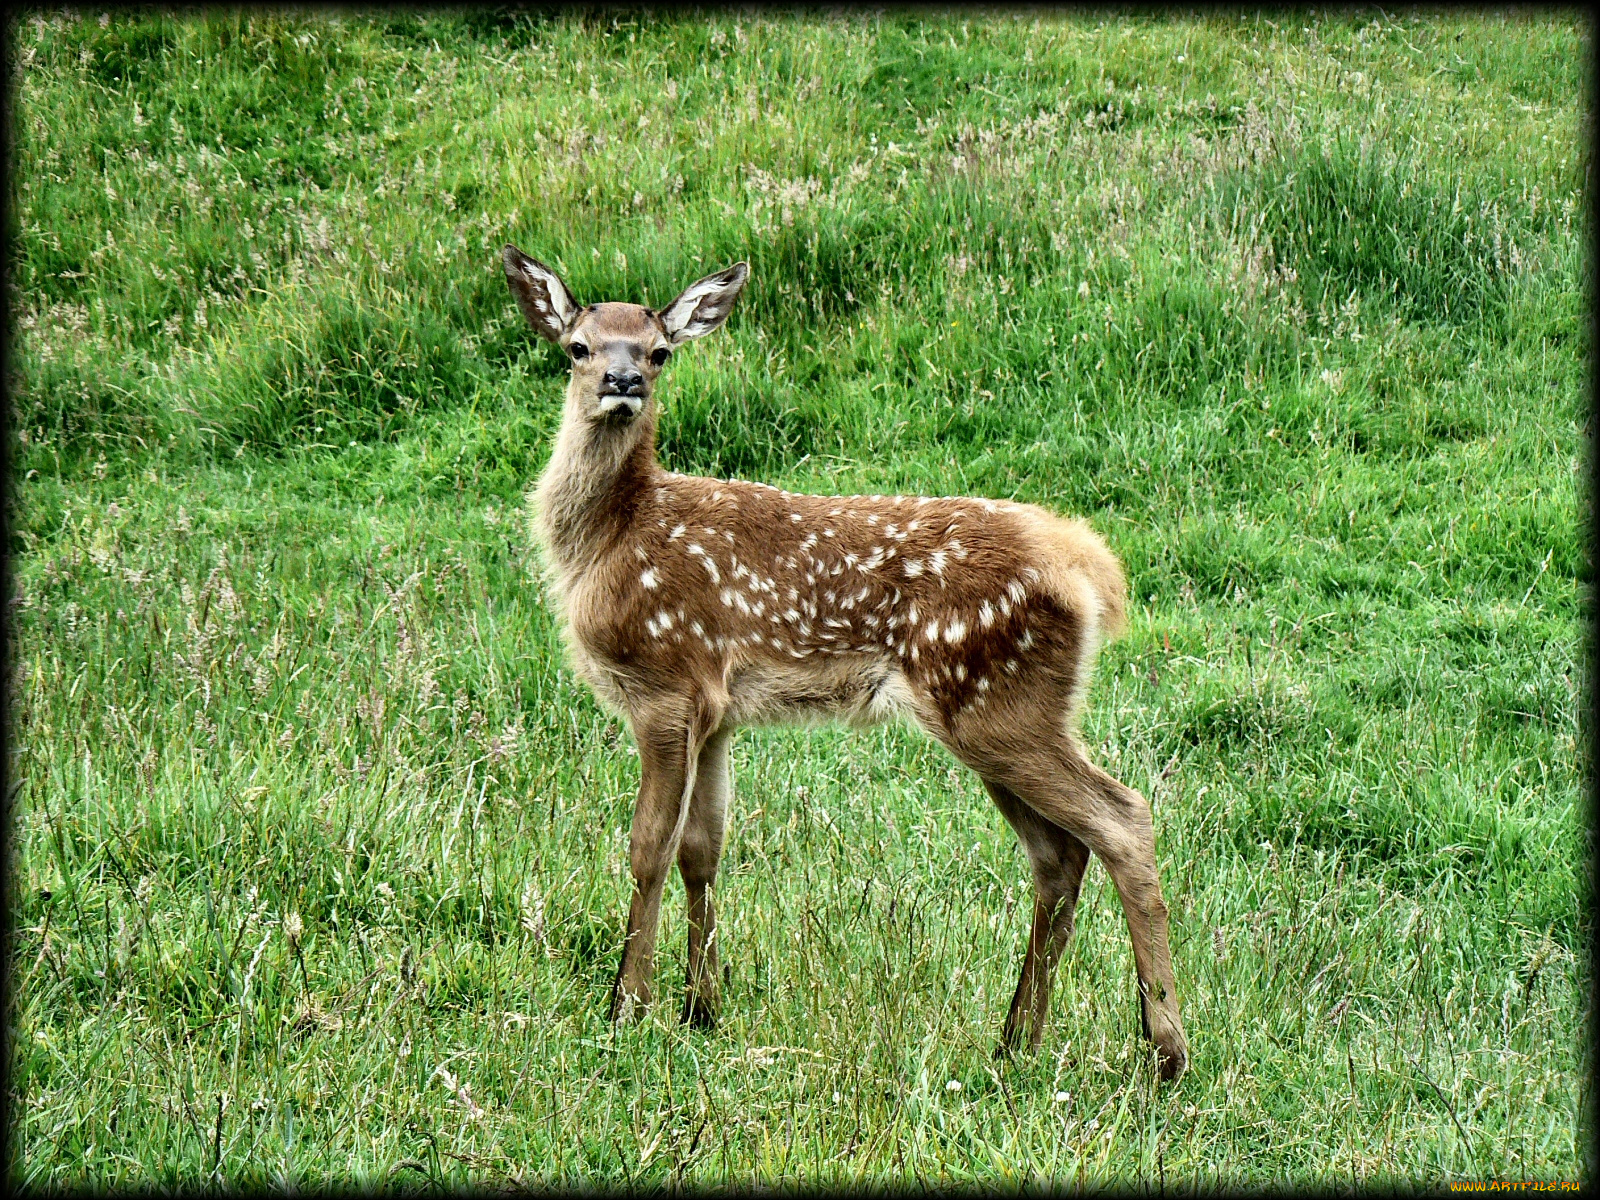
column 693, row 606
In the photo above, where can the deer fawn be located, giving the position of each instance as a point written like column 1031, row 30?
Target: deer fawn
column 694, row 606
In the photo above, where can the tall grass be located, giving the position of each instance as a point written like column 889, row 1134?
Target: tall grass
column 321, row 852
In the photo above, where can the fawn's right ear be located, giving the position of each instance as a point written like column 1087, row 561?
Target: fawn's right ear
column 540, row 294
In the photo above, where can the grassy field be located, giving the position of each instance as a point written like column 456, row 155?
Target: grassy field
column 319, row 850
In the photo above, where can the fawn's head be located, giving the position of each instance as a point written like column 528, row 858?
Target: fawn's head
column 617, row 350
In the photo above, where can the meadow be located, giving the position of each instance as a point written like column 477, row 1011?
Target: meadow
column 318, row 849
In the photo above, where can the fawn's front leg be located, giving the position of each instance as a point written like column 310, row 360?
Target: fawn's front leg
column 669, row 745
column 699, row 852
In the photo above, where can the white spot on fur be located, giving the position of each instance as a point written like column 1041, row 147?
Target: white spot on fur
column 986, row 614
column 1016, row 591
column 936, row 562
column 677, row 532
column 932, row 631
column 650, row 579
column 795, row 517
column 1025, row 642
column 664, row 619
column 912, row 567
column 955, row 631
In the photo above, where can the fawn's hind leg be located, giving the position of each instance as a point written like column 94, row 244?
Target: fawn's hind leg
column 1066, row 789
column 1058, row 860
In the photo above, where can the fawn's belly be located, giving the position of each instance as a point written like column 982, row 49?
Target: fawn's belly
column 857, row 690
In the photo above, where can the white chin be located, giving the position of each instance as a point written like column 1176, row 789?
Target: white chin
column 627, row 407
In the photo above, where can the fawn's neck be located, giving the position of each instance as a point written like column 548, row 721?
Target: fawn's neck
column 599, row 475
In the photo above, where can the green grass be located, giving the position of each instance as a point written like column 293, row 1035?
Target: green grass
column 1294, row 309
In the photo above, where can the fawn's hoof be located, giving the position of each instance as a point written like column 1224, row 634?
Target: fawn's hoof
column 1162, row 1028
column 626, row 1008
column 699, row 1012
column 1171, row 1062
column 1011, row 1041
column 1171, row 1047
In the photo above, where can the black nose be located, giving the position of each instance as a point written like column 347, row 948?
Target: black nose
column 625, row 382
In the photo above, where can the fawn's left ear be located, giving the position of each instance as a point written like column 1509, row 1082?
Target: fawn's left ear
column 704, row 305
column 540, row 294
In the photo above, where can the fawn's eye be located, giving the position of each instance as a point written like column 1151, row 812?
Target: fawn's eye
column 660, row 355
column 578, row 350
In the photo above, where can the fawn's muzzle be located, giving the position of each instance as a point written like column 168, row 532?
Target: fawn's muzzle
column 621, row 394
